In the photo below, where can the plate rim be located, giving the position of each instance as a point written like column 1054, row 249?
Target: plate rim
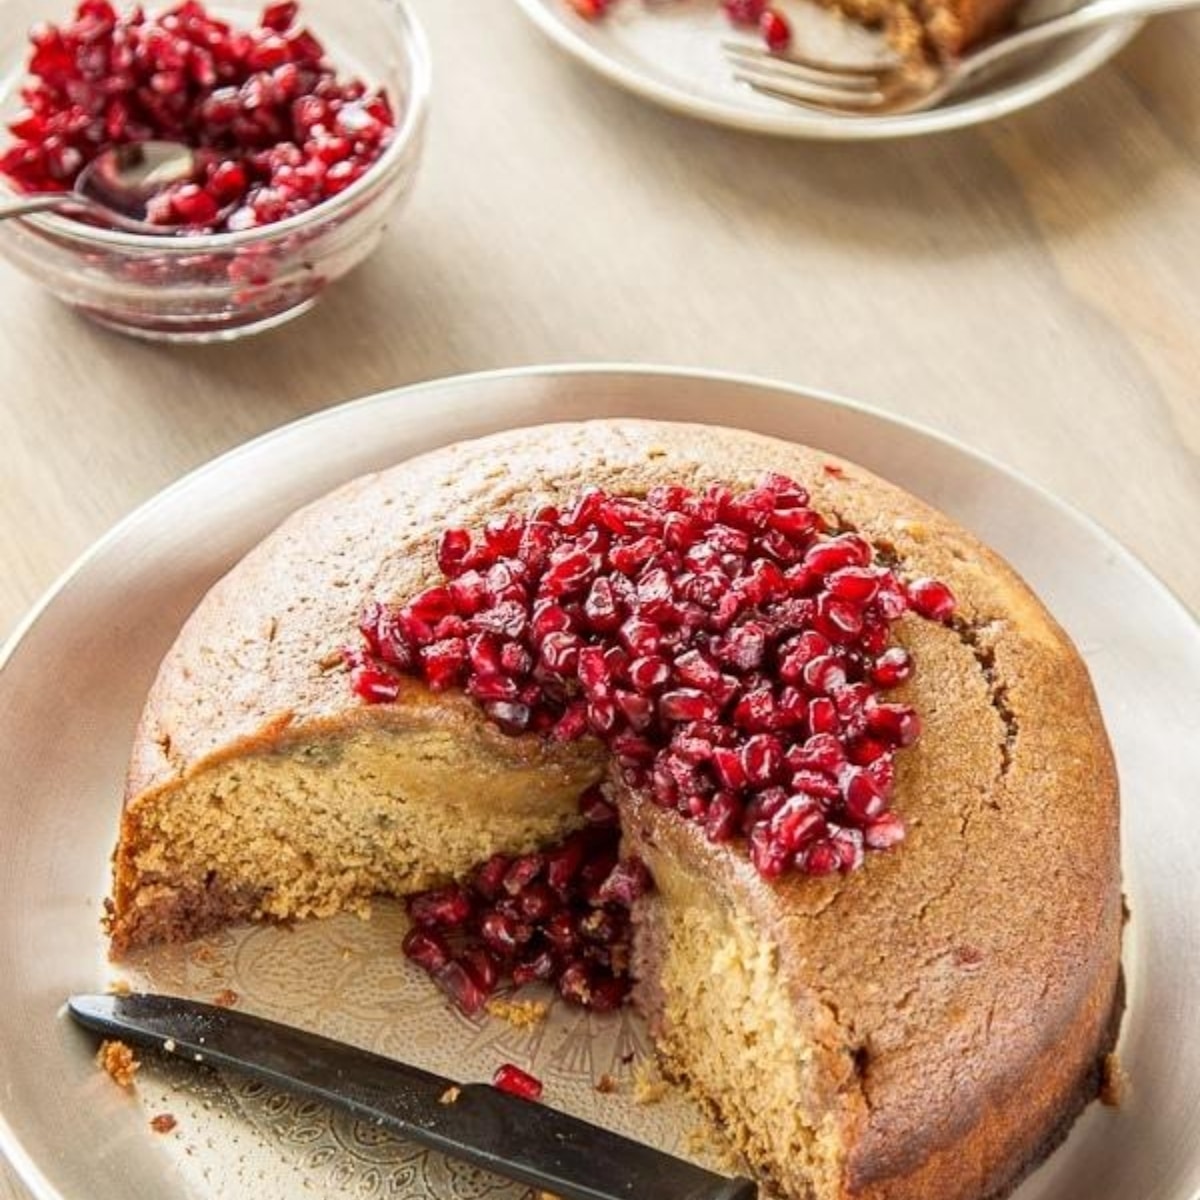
column 796, row 123
column 26, row 1168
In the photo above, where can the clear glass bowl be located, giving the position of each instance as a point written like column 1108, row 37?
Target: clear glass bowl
column 227, row 285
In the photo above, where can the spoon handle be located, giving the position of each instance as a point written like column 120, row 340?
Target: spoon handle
column 23, row 206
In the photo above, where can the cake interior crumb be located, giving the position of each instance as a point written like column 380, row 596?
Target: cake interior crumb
column 119, row 987
column 520, row 1014
column 606, row 1084
column 118, row 1061
column 648, row 1086
column 450, row 1095
column 225, row 998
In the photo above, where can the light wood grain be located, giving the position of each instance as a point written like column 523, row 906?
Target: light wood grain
column 1032, row 287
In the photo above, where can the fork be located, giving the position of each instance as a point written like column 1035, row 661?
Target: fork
column 893, row 89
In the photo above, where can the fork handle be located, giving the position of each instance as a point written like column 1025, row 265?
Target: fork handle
column 1086, row 16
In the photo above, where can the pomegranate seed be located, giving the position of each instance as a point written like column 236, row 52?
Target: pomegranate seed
column 462, row 987
column 523, row 872
column 482, row 968
column 799, row 821
column 892, row 667
column 560, row 932
column 608, row 993
column 931, row 599
column 762, row 759
column 724, row 817
column 894, row 723
column 849, row 846
column 825, row 674
column 488, row 879
column 442, row 908
column 499, row 933
column 534, row 968
column 279, row 17
column 560, row 652
column 427, row 949
column 822, row 752
column 884, row 832
column 575, row 983
column 823, row 716
column 856, row 584
column 375, row 685
column 590, row 10
column 864, row 801
column 687, row 704
column 822, row 858
column 743, row 648
column 628, row 882
column 744, row 12
column 443, row 662
column 826, row 557
column 538, row 902
column 769, row 856
column 597, row 809
column 516, row 1082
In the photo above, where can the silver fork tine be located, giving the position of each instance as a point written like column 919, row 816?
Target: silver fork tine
column 788, row 75
column 817, row 101
column 756, row 56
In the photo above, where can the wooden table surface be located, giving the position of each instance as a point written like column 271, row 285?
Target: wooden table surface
column 1032, row 287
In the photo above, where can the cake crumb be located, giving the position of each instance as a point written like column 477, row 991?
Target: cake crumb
column 709, row 1141
column 117, row 1059
column 606, row 1085
column 450, row 1095
column 1114, row 1083
column 225, row 998
column 838, row 472
column 163, row 1123
column 119, row 987
column 648, row 1086
column 520, row 1014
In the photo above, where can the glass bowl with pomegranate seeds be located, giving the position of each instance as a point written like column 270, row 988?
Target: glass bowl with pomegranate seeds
column 308, row 118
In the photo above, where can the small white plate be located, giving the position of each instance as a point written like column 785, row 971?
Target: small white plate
column 669, row 51
column 73, row 681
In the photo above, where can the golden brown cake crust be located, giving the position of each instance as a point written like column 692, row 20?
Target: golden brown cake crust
column 974, row 969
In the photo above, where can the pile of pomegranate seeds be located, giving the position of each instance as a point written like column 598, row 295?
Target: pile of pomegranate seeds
column 560, row 916
column 755, row 14
column 728, row 649
column 511, row 1079
column 284, row 131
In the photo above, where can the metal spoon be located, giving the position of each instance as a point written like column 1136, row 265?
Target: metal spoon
column 115, row 187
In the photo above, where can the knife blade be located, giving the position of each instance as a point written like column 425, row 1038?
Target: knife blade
column 521, row 1140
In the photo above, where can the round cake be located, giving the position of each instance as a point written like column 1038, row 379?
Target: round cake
column 913, row 998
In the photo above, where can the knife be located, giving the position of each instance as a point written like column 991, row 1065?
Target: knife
column 502, row 1133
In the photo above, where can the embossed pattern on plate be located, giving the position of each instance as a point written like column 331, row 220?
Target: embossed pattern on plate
column 73, row 683
column 669, row 51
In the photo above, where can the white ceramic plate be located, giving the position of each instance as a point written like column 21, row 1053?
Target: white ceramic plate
column 73, row 682
column 669, row 51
